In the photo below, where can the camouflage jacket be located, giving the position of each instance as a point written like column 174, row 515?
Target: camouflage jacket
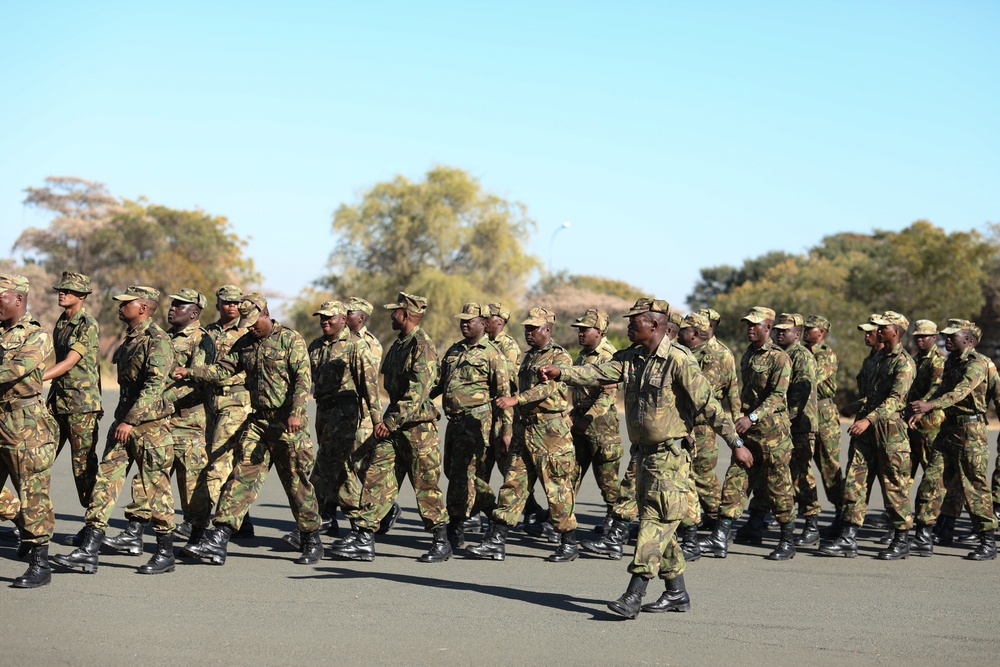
column 23, row 350
column 826, row 371
column 78, row 390
column 711, row 360
column 930, row 368
column 766, row 374
column 145, row 362
column 409, row 372
column 471, row 377
column 189, row 411
column 992, row 383
column 866, row 380
column 802, row 409
column 276, row 367
column 596, row 404
column 216, row 342
column 663, row 392
column 536, row 397
column 729, row 382
column 343, row 368
column 511, row 351
column 886, row 398
column 963, row 385
column 373, row 344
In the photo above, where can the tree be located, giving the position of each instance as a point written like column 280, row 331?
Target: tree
column 716, row 280
column 443, row 238
column 569, row 297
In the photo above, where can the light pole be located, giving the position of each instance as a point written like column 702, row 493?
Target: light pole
column 564, row 225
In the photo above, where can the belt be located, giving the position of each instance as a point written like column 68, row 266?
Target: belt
column 968, row 419
column 229, row 389
column 272, row 413
column 15, row 403
column 470, row 412
column 333, row 400
column 674, row 445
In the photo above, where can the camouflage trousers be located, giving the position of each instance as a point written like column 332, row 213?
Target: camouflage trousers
column 81, row 430
column 600, row 446
column 704, row 458
column 541, row 448
column 627, row 508
column 27, row 452
column 963, row 465
column 336, row 431
column 803, row 481
column 350, row 496
column 496, row 456
column 265, row 442
column 151, row 446
column 663, row 487
column 769, row 478
column 10, row 506
column 922, row 440
column 418, row 454
column 375, row 462
column 466, row 443
column 882, row 451
column 188, row 464
column 826, row 451
column 226, row 418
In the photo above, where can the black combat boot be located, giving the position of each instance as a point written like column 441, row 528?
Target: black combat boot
column 899, row 547
column 689, row 543
column 213, row 546
column 629, row 604
column 246, row 531
column 494, row 544
column 196, row 536
column 329, row 525
column 10, row 535
column 347, row 539
column 456, row 533
column 312, row 548
column 970, row 538
column 810, row 532
column 888, row 536
column 568, row 549
column 878, row 521
column 129, row 541
column 542, row 530
column 717, row 543
column 440, row 547
column 389, row 520
column 183, row 529
column 675, row 598
column 786, row 543
column 923, row 541
column 987, row 549
column 944, row 531
column 84, row 557
column 362, row 547
column 708, row 524
column 996, row 511
column 38, row 573
column 163, row 560
column 605, row 525
column 845, row 545
column 472, row 525
column 292, row 539
column 752, row 532
column 835, row 528
column 611, row 544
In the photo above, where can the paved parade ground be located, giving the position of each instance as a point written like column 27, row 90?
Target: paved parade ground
column 260, row 608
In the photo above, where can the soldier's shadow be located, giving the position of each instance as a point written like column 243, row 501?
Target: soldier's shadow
column 558, row 601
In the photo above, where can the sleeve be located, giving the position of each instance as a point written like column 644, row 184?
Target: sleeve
column 973, row 375
column 26, row 359
column 224, row 368
column 544, row 390
column 777, row 385
column 895, row 402
column 421, row 375
column 366, row 380
column 595, row 375
column 299, row 374
column 158, row 364
column 800, row 385
column 85, row 338
column 732, row 387
column 937, row 372
column 699, row 391
column 499, row 388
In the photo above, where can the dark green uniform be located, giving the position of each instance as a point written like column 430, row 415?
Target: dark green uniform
column 601, row 444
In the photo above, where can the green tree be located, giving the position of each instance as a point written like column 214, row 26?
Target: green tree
column 569, row 297
column 716, row 280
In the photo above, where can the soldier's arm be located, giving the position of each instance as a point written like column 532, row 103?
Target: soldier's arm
column 299, row 374
column 158, row 363
column 421, row 375
column 895, row 402
column 595, row 375
column 732, row 391
column 544, row 390
column 777, row 393
column 974, row 375
column 366, row 380
column 688, row 375
column 85, row 338
column 800, row 385
column 223, row 368
column 24, row 360
column 500, row 388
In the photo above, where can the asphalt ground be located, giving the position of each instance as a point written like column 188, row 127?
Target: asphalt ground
column 262, row 609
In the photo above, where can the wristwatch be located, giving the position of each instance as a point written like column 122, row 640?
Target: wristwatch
column 753, row 417
column 738, row 444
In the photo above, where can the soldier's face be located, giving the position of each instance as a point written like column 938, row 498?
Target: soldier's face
column 355, row 319
column 473, row 329
column 640, row 328
column 69, row 298
column 128, row 311
column 813, row 335
column 182, row 313
column 495, row 324
column 262, row 327
column 537, row 337
column 228, row 310
column 871, row 338
column 398, row 317
column 332, row 325
column 588, row 337
column 788, row 336
column 925, row 343
column 8, row 305
column 689, row 337
column 757, row 331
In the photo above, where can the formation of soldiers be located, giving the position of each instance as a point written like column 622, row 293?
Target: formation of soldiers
column 217, row 406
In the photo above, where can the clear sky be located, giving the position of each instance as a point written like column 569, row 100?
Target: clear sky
column 671, row 135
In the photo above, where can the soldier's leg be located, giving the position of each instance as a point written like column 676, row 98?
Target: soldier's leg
column 662, row 485
column 27, row 452
column 379, row 482
column 857, row 483
column 424, row 448
column 606, row 461
column 803, row 481
column 155, row 457
column 10, row 505
column 778, row 477
column 552, row 451
column 518, row 481
column 111, row 474
column 248, row 474
column 995, row 485
column 294, row 459
column 974, row 462
column 81, row 430
column 485, row 498
column 704, row 458
column 930, row 493
column 329, row 467
column 349, row 494
column 739, row 481
column 827, row 452
column 584, row 446
column 190, row 459
column 893, row 460
column 226, row 428
column 627, row 508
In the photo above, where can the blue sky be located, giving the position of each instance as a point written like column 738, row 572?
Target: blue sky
column 671, row 135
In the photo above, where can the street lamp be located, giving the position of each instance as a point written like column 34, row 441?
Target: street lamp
column 564, row 225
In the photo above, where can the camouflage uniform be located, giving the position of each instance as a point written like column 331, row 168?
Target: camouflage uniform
column 827, row 450
column 511, row 352
column 663, row 393
column 27, row 446
column 145, row 361
column 930, row 367
column 803, row 416
column 278, row 379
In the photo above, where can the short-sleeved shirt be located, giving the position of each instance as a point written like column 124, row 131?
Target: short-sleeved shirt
column 78, row 390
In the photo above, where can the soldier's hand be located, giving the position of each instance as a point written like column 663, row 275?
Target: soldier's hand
column 743, row 458
column 859, row 427
column 549, row 372
column 920, row 407
column 382, row 431
column 122, row 431
column 294, row 424
column 743, row 424
column 180, row 373
column 914, row 421
column 505, row 402
column 580, row 425
column 505, row 443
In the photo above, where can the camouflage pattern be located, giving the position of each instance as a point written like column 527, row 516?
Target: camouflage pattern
column 10, row 506
column 188, row 422
column 826, row 451
column 511, row 352
column 375, row 464
column 728, row 380
column 359, row 462
column 81, row 431
column 930, row 368
column 627, row 507
column 27, row 444
column 803, row 415
column 78, row 390
column 664, row 479
column 373, row 344
column 601, row 444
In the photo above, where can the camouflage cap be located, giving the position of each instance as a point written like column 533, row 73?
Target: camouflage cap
column 892, row 317
column 817, row 321
column 138, row 292
column 498, row 310
column 73, row 282
column 870, row 324
column 188, row 295
column 758, row 314
column 675, row 318
column 788, row 320
column 710, row 314
column 252, row 305
column 955, row 325
column 646, row 305
column 539, row 316
column 471, row 311
column 977, row 332
column 331, row 308
column 595, row 318
column 697, row 319
column 924, row 328
column 229, row 294
column 13, row 282
column 357, row 303
column 409, row 303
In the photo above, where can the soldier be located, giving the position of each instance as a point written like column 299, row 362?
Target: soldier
column 358, row 312
column 473, row 375
column 664, row 390
column 930, row 367
column 766, row 371
column 27, row 445
column 542, row 447
column 961, row 442
column 75, row 395
column 139, row 433
column 827, row 449
column 596, row 433
column 887, row 453
column 728, row 378
column 802, row 414
column 407, row 438
column 345, row 385
column 276, row 364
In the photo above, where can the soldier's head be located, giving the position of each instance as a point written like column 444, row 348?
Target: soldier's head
column 789, row 329
column 673, row 326
column 590, row 328
column 472, row 321
column 72, row 289
column 407, row 311
column 137, row 304
column 647, row 322
column 185, row 308
column 816, row 328
column 713, row 318
column 959, row 335
column 227, row 302
column 759, row 321
column 497, row 319
column 358, row 312
column 332, row 318
column 255, row 316
column 870, row 330
column 13, row 298
column 695, row 330
column 891, row 327
column 925, row 334
column 538, row 327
